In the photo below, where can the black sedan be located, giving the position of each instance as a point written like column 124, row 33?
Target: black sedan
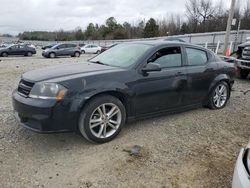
column 127, row 82
column 17, row 49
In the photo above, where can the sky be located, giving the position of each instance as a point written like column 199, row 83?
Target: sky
column 30, row 15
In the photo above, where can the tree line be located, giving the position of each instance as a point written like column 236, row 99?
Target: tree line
column 200, row 16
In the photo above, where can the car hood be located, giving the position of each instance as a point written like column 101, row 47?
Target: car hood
column 64, row 70
column 244, row 44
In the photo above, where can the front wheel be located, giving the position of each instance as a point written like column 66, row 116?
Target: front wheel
column 98, row 52
column 219, row 96
column 52, row 55
column 4, row 54
column 102, row 119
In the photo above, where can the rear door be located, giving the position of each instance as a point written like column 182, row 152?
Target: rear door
column 200, row 73
column 162, row 90
column 70, row 49
column 61, row 50
column 23, row 49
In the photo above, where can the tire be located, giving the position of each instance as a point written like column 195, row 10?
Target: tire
column 4, row 54
column 244, row 73
column 52, row 55
column 217, row 98
column 29, row 54
column 77, row 54
column 91, row 111
column 83, row 52
column 98, row 52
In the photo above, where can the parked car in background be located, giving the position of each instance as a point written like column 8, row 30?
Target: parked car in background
column 127, row 82
column 48, row 46
column 62, row 50
column 243, row 66
column 241, row 177
column 91, row 48
column 3, row 45
column 81, row 45
column 104, row 48
column 17, row 49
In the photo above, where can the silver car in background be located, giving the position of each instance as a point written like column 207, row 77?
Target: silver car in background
column 241, row 177
column 62, row 50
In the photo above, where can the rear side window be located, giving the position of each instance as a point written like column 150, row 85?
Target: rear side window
column 196, row 57
column 167, row 57
column 62, row 46
column 71, row 45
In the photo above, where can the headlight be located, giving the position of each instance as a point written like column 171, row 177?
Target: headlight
column 48, row 91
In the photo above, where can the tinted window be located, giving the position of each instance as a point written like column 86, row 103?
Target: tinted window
column 71, row 45
column 167, row 57
column 14, row 46
column 196, row 56
column 62, row 46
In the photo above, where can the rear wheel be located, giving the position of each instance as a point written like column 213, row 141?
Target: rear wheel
column 219, row 96
column 52, row 55
column 4, row 54
column 76, row 54
column 102, row 119
column 244, row 73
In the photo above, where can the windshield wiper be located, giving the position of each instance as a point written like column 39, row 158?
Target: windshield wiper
column 97, row 62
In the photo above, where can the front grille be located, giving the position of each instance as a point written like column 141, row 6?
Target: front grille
column 24, row 88
column 245, row 64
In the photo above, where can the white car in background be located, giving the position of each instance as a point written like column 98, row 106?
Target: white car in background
column 241, row 177
column 91, row 48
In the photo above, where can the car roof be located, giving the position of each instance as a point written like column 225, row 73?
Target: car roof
column 163, row 42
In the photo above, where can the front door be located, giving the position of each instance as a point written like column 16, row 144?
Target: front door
column 162, row 90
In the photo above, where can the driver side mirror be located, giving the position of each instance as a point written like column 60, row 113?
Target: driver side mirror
column 151, row 67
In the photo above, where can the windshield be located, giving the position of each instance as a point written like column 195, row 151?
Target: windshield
column 122, row 55
column 55, row 46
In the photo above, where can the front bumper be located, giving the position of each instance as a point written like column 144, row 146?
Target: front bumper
column 243, row 63
column 240, row 177
column 44, row 54
column 43, row 116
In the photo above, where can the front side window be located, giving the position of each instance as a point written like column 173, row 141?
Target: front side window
column 167, row 57
column 14, row 46
column 196, row 57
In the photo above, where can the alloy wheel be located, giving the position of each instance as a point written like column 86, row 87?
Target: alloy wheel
column 105, row 120
column 220, row 95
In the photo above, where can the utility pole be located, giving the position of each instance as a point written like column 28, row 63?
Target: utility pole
column 229, row 23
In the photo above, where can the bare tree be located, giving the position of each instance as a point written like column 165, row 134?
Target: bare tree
column 198, row 12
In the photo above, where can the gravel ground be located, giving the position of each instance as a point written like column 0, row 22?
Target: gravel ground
column 197, row 148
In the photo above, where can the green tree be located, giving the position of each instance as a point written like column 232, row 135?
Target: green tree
column 111, row 23
column 151, row 29
column 90, row 31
